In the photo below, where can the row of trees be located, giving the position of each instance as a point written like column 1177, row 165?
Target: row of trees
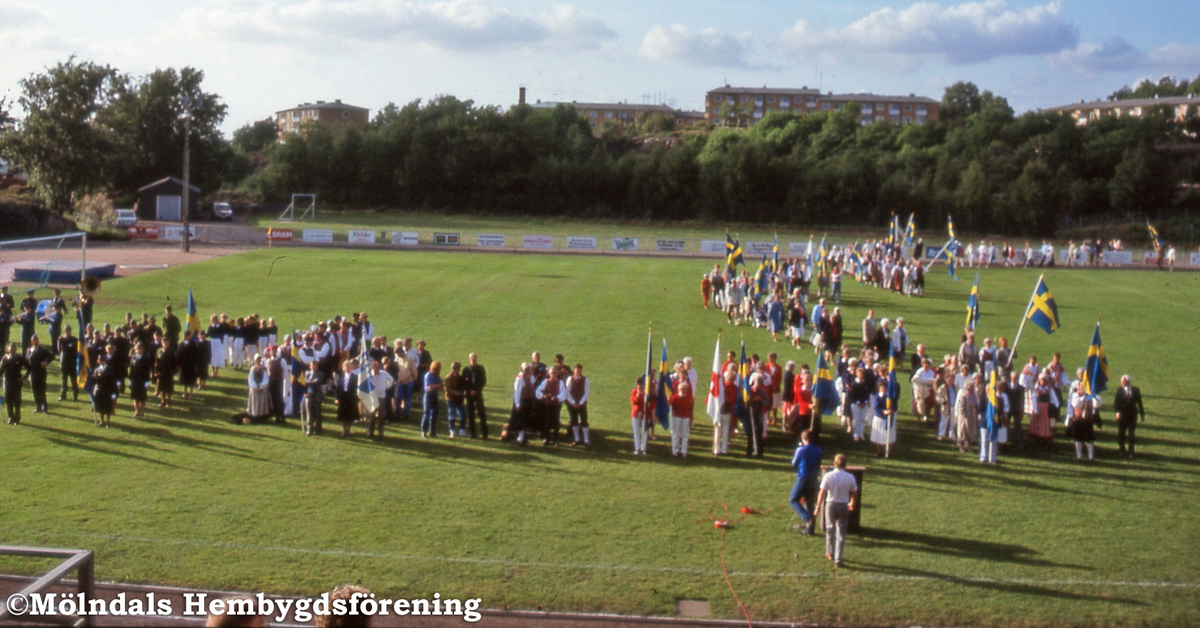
column 88, row 126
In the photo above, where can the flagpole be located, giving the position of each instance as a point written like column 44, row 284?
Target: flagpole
column 1029, row 307
column 939, row 254
column 646, row 380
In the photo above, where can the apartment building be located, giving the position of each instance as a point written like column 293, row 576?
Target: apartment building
column 750, row 104
column 623, row 114
column 332, row 115
column 1180, row 107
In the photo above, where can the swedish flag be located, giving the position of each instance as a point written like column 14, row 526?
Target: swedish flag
column 823, row 257
column 1043, row 311
column 993, row 407
column 1154, row 237
column 893, row 387
column 973, row 305
column 823, row 389
column 192, row 323
column 910, row 232
column 950, row 226
column 733, row 252
column 775, row 254
column 1095, row 372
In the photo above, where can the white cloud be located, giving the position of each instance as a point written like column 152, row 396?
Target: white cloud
column 14, row 14
column 1118, row 55
column 971, row 32
column 452, row 24
column 704, row 48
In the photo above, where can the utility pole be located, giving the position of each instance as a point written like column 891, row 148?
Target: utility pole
column 187, row 173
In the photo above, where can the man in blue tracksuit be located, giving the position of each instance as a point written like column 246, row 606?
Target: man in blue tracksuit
column 807, row 463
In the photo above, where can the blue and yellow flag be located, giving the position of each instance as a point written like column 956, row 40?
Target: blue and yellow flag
column 893, row 387
column 891, row 239
column 823, row 257
column 775, row 254
column 1095, row 372
column 824, row 392
column 733, row 252
column 1154, row 237
column 84, row 364
column 973, row 305
column 856, row 258
column 910, row 232
column 193, row 319
column 743, row 400
column 663, row 410
column 950, row 257
column 950, row 226
column 993, row 405
column 1043, row 311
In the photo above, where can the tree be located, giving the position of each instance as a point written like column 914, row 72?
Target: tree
column 147, row 117
column 257, row 136
column 959, row 101
column 60, row 144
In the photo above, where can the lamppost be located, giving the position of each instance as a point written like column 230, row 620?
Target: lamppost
column 188, row 102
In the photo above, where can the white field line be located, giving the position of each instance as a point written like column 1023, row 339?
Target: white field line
column 636, row 568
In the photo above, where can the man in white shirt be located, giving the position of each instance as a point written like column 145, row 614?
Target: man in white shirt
column 838, row 496
column 381, row 380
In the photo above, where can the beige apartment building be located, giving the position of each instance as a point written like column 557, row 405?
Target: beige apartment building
column 331, row 115
column 750, row 104
column 1180, row 107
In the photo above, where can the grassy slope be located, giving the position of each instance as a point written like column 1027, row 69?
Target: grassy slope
column 216, row 498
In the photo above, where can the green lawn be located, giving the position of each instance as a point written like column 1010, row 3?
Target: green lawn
column 184, row 497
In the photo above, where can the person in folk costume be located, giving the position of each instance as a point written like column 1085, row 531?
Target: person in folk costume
column 643, row 403
column 723, row 428
column 188, row 364
column 250, row 340
column 883, row 418
column 433, row 385
column 577, row 388
column 683, row 404
column 346, row 395
column 775, row 317
column 551, row 394
column 755, row 409
column 787, row 397
column 1038, row 402
column 203, row 357
column 705, row 288
column 141, row 371
column 236, row 342
column 1084, row 417
column 259, row 403
column 166, row 365
column 966, row 415
column 523, row 398
column 797, row 318
column 946, row 396
column 216, row 347
column 456, row 396
column 310, row 404
column 104, row 393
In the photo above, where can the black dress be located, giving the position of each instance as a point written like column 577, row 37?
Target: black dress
column 139, row 376
column 165, row 368
column 188, row 373
column 105, row 392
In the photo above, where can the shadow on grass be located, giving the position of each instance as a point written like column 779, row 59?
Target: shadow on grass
column 1020, row 588
column 64, row 438
column 957, row 548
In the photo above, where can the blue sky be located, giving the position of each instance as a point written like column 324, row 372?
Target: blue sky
column 262, row 56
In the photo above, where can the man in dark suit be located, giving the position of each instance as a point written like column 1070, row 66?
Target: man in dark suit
column 38, row 358
column 1128, row 408
column 476, row 380
column 13, row 368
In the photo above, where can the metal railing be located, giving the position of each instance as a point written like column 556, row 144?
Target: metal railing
column 81, row 561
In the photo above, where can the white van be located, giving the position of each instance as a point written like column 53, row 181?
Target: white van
column 126, row 218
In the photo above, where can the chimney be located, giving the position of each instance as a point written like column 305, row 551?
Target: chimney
column 521, row 97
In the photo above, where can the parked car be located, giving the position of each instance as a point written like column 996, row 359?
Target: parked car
column 126, row 218
column 222, row 211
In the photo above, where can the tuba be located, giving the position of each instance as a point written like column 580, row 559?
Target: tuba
column 89, row 286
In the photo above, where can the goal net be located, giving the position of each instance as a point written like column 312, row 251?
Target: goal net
column 59, row 259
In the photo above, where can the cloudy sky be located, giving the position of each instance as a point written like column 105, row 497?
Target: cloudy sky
column 262, row 56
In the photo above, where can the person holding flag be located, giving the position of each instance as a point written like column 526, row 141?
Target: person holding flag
column 192, row 322
column 995, row 416
column 1157, row 243
column 643, row 402
column 973, row 305
column 1083, row 413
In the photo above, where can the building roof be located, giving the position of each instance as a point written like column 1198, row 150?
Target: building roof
column 911, row 98
column 802, row 91
column 606, row 105
column 1132, row 102
column 321, row 104
column 174, row 180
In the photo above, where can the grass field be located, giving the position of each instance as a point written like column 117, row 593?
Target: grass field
column 184, row 497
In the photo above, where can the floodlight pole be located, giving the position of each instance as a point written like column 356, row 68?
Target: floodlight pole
column 187, row 159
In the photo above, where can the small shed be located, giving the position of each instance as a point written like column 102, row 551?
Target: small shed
column 162, row 200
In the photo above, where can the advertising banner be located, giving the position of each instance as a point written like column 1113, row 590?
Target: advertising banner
column 1118, row 258
column 579, row 243
column 318, row 235
column 143, row 233
column 404, row 238
column 537, row 242
column 175, row 232
column 361, row 236
column 624, row 244
column 490, row 239
column 280, row 235
column 670, row 246
column 716, row 247
column 450, row 239
column 1195, row 259
column 757, row 249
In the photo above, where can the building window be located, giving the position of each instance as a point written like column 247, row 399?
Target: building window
column 894, row 110
column 866, row 120
column 907, row 120
column 825, row 105
column 608, row 114
column 866, row 108
column 593, row 113
column 770, row 99
column 729, row 99
column 812, row 102
column 920, row 111
column 908, row 107
column 745, row 99
column 758, row 113
column 784, row 102
column 345, row 114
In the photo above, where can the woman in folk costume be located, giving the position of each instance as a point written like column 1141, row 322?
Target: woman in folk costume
column 1084, row 413
column 966, row 415
column 216, row 340
column 259, row 404
column 1038, row 400
column 236, row 342
column 883, row 429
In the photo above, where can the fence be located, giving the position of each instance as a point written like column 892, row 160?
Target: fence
column 81, row 561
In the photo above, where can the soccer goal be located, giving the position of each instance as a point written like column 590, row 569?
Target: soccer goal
column 308, row 205
column 25, row 259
